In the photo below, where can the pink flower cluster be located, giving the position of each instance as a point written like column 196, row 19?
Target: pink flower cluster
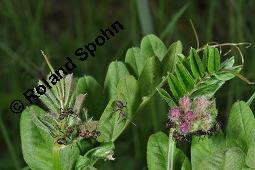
column 190, row 116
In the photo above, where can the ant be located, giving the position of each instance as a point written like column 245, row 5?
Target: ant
column 120, row 108
column 65, row 113
column 89, row 129
column 61, row 141
column 169, row 124
column 88, row 134
column 67, row 134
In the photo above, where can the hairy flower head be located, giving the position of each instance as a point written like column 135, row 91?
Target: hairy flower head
column 185, row 127
column 174, row 113
column 191, row 116
column 185, row 103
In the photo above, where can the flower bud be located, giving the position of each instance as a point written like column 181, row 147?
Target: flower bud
column 174, row 113
column 185, row 127
column 189, row 116
column 185, row 103
column 200, row 104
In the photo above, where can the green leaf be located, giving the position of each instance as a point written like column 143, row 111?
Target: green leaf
column 103, row 151
column 69, row 87
column 150, row 76
column 186, row 164
column 192, row 77
column 100, row 152
column 224, row 75
column 111, row 124
column 240, row 127
column 250, row 161
column 36, row 143
column 83, row 163
column 228, row 63
column 207, row 88
column 213, row 60
column 38, row 147
column 115, row 72
column 50, row 100
column 157, row 151
column 168, row 99
column 229, row 159
column 95, row 99
column 65, row 158
column 128, row 90
column 175, row 88
column 204, row 148
column 157, row 154
column 197, row 66
column 206, row 55
column 184, row 77
column 170, row 59
column 152, row 46
column 181, row 161
column 136, row 60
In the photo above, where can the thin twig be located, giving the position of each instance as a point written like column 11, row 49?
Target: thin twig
column 236, row 45
column 195, row 33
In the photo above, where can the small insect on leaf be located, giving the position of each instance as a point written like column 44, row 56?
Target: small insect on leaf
column 119, row 107
column 65, row 113
column 89, row 129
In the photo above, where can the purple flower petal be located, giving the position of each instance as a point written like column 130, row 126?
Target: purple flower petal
column 174, row 113
column 185, row 127
column 185, row 103
column 189, row 116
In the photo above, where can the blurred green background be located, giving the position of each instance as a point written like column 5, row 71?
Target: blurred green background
column 61, row 26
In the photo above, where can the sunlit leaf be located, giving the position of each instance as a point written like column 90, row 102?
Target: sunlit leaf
column 152, row 46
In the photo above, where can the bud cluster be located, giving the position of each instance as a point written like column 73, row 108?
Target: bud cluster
column 191, row 116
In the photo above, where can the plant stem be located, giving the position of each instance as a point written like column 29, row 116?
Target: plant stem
column 171, row 147
column 251, row 99
column 56, row 157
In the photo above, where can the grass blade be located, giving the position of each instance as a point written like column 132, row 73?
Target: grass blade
column 170, row 26
column 145, row 16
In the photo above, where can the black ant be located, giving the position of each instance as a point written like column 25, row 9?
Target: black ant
column 65, row 113
column 170, row 124
column 88, row 134
column 61, row 141
column 89, row 129
column 120, row 108
column 67, row 134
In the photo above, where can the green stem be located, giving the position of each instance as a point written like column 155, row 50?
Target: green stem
column 171, row 147
column 251, row 99
column 56, row 157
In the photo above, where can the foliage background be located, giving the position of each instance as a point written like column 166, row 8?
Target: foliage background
column 60, row 26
